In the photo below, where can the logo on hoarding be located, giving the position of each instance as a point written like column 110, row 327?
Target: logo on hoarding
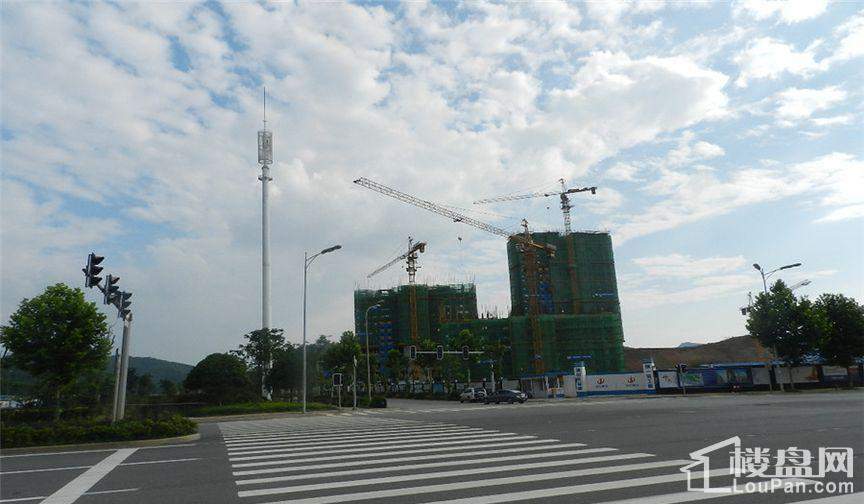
column 601, row 381
column 631, row 379
column 761, row 470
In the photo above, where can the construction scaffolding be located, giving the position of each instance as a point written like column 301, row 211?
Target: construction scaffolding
column 580, row 280
column 390, row 322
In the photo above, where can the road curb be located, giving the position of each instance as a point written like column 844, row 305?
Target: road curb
column 97, row 446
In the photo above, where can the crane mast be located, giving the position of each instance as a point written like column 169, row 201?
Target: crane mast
column 524, row 242
column 410, row 257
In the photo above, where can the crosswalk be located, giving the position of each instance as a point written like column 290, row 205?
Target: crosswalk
column 336, row 459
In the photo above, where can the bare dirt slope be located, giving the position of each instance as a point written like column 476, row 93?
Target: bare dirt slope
column 737, row 349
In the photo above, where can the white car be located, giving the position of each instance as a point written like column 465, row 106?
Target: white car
column 471, row 394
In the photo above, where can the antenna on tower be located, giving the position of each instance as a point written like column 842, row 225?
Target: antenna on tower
column 265, row 108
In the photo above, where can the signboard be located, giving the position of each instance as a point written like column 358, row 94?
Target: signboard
column 648, row 371
column 617, row 383
column 835, row 373
column 761, row 376
column 693, row 379
column 667, row 379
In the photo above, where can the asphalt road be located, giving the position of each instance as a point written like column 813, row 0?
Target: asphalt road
column 599, row 450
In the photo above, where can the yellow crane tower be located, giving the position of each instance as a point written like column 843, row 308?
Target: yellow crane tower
column 526, row 245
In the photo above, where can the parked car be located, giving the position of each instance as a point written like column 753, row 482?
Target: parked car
column 506, row 396
column 472, row 394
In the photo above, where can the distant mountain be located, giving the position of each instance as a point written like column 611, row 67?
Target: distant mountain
column 687, row 344
column 159, row 369
column 737, row 349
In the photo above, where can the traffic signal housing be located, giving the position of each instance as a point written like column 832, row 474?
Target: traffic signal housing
column 682, row 368
column 412, row 352
column 466, row 352
column 337, row 379
column 123, row 304
column 92, row 270
column 439, row 352
column 111, row 290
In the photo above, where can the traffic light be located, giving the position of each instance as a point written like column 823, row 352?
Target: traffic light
column 92, row 270
column 412, row 352
column 466, row 352
column 439, row 352
column 123, row 303
column 337, row 379
column 682, row 367
column 109, row 294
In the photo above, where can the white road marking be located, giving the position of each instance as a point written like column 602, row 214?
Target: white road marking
column 468, row 484
column 379, row 460
column 354, row 439
column 78, row 486
column 70, row 468
column 282, row 452
column 401, row 432
column 289, row 459
column 484, row 470
column 836, row 499
column 287, row 430
column 344, row 443
column 99, row 450
column 22, row 499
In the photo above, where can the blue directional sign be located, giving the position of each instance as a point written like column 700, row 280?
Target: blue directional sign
column 487, row 361
column 578, row 357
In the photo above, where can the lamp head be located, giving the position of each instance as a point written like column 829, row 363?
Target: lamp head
column 758, row 268
column 331, row 249
column 791, row 266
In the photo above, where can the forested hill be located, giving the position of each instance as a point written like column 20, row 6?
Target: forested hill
column 157, row 368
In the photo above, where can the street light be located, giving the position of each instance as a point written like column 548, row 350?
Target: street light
column 368, row 366
column 307, row 260
column 765, row 290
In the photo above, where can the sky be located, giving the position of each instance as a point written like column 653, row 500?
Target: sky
column 719, row 135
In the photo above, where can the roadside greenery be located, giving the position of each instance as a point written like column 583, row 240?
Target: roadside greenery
column 257, row 407
column 831, row 328
column 91, row 431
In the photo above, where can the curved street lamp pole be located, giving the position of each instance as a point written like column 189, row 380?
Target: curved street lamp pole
column 368, row 366
column 307, row 260
column 765, row 290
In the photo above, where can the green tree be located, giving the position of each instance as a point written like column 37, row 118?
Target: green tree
column 339, row 358
column 396, row 364
column 168, row 387
column 287, row 371
column 258, row 352
column 781, row 321
column 145, row 385
column 57, row 337
column 220, row 378
column 842, row 337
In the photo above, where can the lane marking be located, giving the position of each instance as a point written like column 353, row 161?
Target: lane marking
column 341, row 435
column 323, row 433
column 475, row 483
column 271, row 448
column 379, row 460
column 24, row 471
column 288, row 459
column 318, row 426
column 554, row 463
column 342, row 439
column 287, row 452
column 99, row 450
column 78, row 486
column 22, row 499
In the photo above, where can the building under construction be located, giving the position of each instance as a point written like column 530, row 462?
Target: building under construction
column 390, row 323
column 564, row 296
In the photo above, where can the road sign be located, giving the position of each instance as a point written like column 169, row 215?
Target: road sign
column 337, row 379
column 579, row 357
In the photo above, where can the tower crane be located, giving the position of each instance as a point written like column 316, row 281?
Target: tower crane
column 565, row 209
column 410, row 257
column 563, row 194
column 525, row 243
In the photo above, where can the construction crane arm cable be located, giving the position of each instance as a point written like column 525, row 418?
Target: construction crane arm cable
column 534, row 195
column 446, row 212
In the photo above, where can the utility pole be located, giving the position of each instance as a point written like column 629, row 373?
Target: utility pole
column 116, row 384
column 765, row 276
column 354, row 387
column 124, row 367
column 265, row 159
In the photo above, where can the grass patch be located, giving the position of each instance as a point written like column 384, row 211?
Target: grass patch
column 257, row 407
column 93, row 431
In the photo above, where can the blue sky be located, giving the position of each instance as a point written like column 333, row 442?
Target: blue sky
column 719, row 135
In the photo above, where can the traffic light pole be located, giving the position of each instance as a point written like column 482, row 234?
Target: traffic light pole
column 116, row 385
column 124, row 368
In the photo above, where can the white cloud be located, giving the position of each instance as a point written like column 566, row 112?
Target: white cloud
column 838, row 120
column 795, row 103
column 688, row 151
column 690, row 197
column 789, row 11
column 625, row 172
column 768, row 58
column 684, row 266
column 851, row 35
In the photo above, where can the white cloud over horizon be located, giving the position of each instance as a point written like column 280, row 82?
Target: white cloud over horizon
column 130, row 130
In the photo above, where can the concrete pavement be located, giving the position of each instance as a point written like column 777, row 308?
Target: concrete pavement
column 600, row 450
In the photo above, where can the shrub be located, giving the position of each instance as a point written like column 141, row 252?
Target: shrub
column 32, row 416
column 84, row 431
column 257, row 407
column 378, row 402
